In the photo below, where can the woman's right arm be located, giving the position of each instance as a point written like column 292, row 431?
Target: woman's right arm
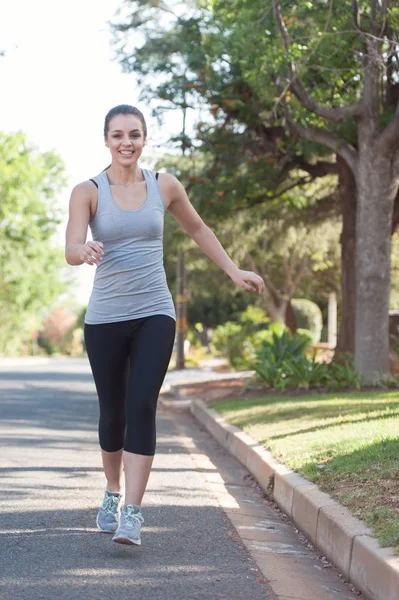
column 77, row 250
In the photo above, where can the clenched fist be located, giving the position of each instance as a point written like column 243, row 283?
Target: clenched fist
column 91, row 252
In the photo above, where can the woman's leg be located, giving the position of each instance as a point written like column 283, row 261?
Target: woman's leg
column 108, row 352
column 150, row 352
column 113, row 469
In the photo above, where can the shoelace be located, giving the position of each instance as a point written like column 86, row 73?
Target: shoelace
column 110, row 504
column 131, row 518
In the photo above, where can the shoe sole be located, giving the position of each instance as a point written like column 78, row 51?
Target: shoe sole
column 127, row 541
column 105, row 530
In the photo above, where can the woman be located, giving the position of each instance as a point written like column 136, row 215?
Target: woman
column 130, row 320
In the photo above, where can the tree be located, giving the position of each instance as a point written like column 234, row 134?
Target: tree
column 30, row 263
column 373, row 156
column 248, row 157
column 271, row 104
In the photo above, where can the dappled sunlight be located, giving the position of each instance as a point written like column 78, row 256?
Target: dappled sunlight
column 283, row 416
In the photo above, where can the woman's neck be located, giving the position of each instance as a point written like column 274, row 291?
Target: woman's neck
column 124, row 176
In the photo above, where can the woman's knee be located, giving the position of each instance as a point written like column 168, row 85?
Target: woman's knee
column 141, row 430
column 112, row 429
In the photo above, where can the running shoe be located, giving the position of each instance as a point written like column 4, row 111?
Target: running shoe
column 130, row 524
column 108, row 515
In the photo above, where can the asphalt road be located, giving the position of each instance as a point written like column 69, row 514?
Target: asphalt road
column 50, row 488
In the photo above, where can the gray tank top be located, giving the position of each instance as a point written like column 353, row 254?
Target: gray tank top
column 130, row 281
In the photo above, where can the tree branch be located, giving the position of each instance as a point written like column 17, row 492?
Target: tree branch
column 300, row 272
column 324, row 137
column 329, row 139
column 318, row 169
column 264, row 199
column 337, row 115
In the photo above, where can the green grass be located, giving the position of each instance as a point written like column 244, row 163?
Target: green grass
column 347, row 443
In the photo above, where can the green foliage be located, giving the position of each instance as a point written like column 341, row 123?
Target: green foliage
column 72, row 343
column 274, row 355
column 281, row 361
column 48, row 346
column 343, row 374
column 253, row 317
column 304, row 372
column 308, row 316
column 238, row 340
column 201, row 59
column 30, row 265
column 307, row 335
column 282, row 346
column 229, row 339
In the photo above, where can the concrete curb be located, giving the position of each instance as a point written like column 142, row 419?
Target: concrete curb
column 342, row 538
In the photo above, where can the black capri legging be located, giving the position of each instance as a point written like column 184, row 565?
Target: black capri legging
column 129, row 360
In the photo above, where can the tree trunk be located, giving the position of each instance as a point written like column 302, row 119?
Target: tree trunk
column 277, row 308
column 373, row 259
column 290, row 319
column 347, row 192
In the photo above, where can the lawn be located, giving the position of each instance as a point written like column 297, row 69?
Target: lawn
column 347, row 443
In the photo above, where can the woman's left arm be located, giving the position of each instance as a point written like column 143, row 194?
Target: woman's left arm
column 183, row 211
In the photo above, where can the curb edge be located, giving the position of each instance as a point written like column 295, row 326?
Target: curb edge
column 344, row 539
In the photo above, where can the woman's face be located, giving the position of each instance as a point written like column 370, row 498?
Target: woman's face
column 125, row 139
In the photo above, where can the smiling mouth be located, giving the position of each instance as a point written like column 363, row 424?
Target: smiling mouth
column 126, row 152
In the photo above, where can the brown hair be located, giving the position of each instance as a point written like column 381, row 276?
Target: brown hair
column 124, row 109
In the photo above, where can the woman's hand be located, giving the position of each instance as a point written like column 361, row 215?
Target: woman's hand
column 248, row 280
column 91, row 252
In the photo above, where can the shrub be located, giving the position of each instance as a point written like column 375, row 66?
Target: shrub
column 308, row 316
column 304, row 372
column 275, row 354
column 343, row 374
column 281, row 361
column 253, row 317
column 229, row 339
column 282, row 345
column 238, row 341
column 307, row 335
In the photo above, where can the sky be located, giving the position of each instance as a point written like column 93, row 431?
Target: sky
column 59, row 78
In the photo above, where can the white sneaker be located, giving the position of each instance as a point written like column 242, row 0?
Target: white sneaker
column 130, row 524
column 108, row 515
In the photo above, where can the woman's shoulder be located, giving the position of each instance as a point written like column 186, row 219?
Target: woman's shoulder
column 166, row 179
column 89, row 185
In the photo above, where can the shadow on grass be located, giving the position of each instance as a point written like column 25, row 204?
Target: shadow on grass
column 366, row 481
column 310, row 408
column 377, row 460
column 316, row 428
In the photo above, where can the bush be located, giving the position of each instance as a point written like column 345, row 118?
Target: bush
column 253, row 317
column 308, row 316
column 282, row 361
column 275, row 355
column 238, row 341
column 305, row 372
column 343, row 374
column 229, row 339
column 306, row 335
